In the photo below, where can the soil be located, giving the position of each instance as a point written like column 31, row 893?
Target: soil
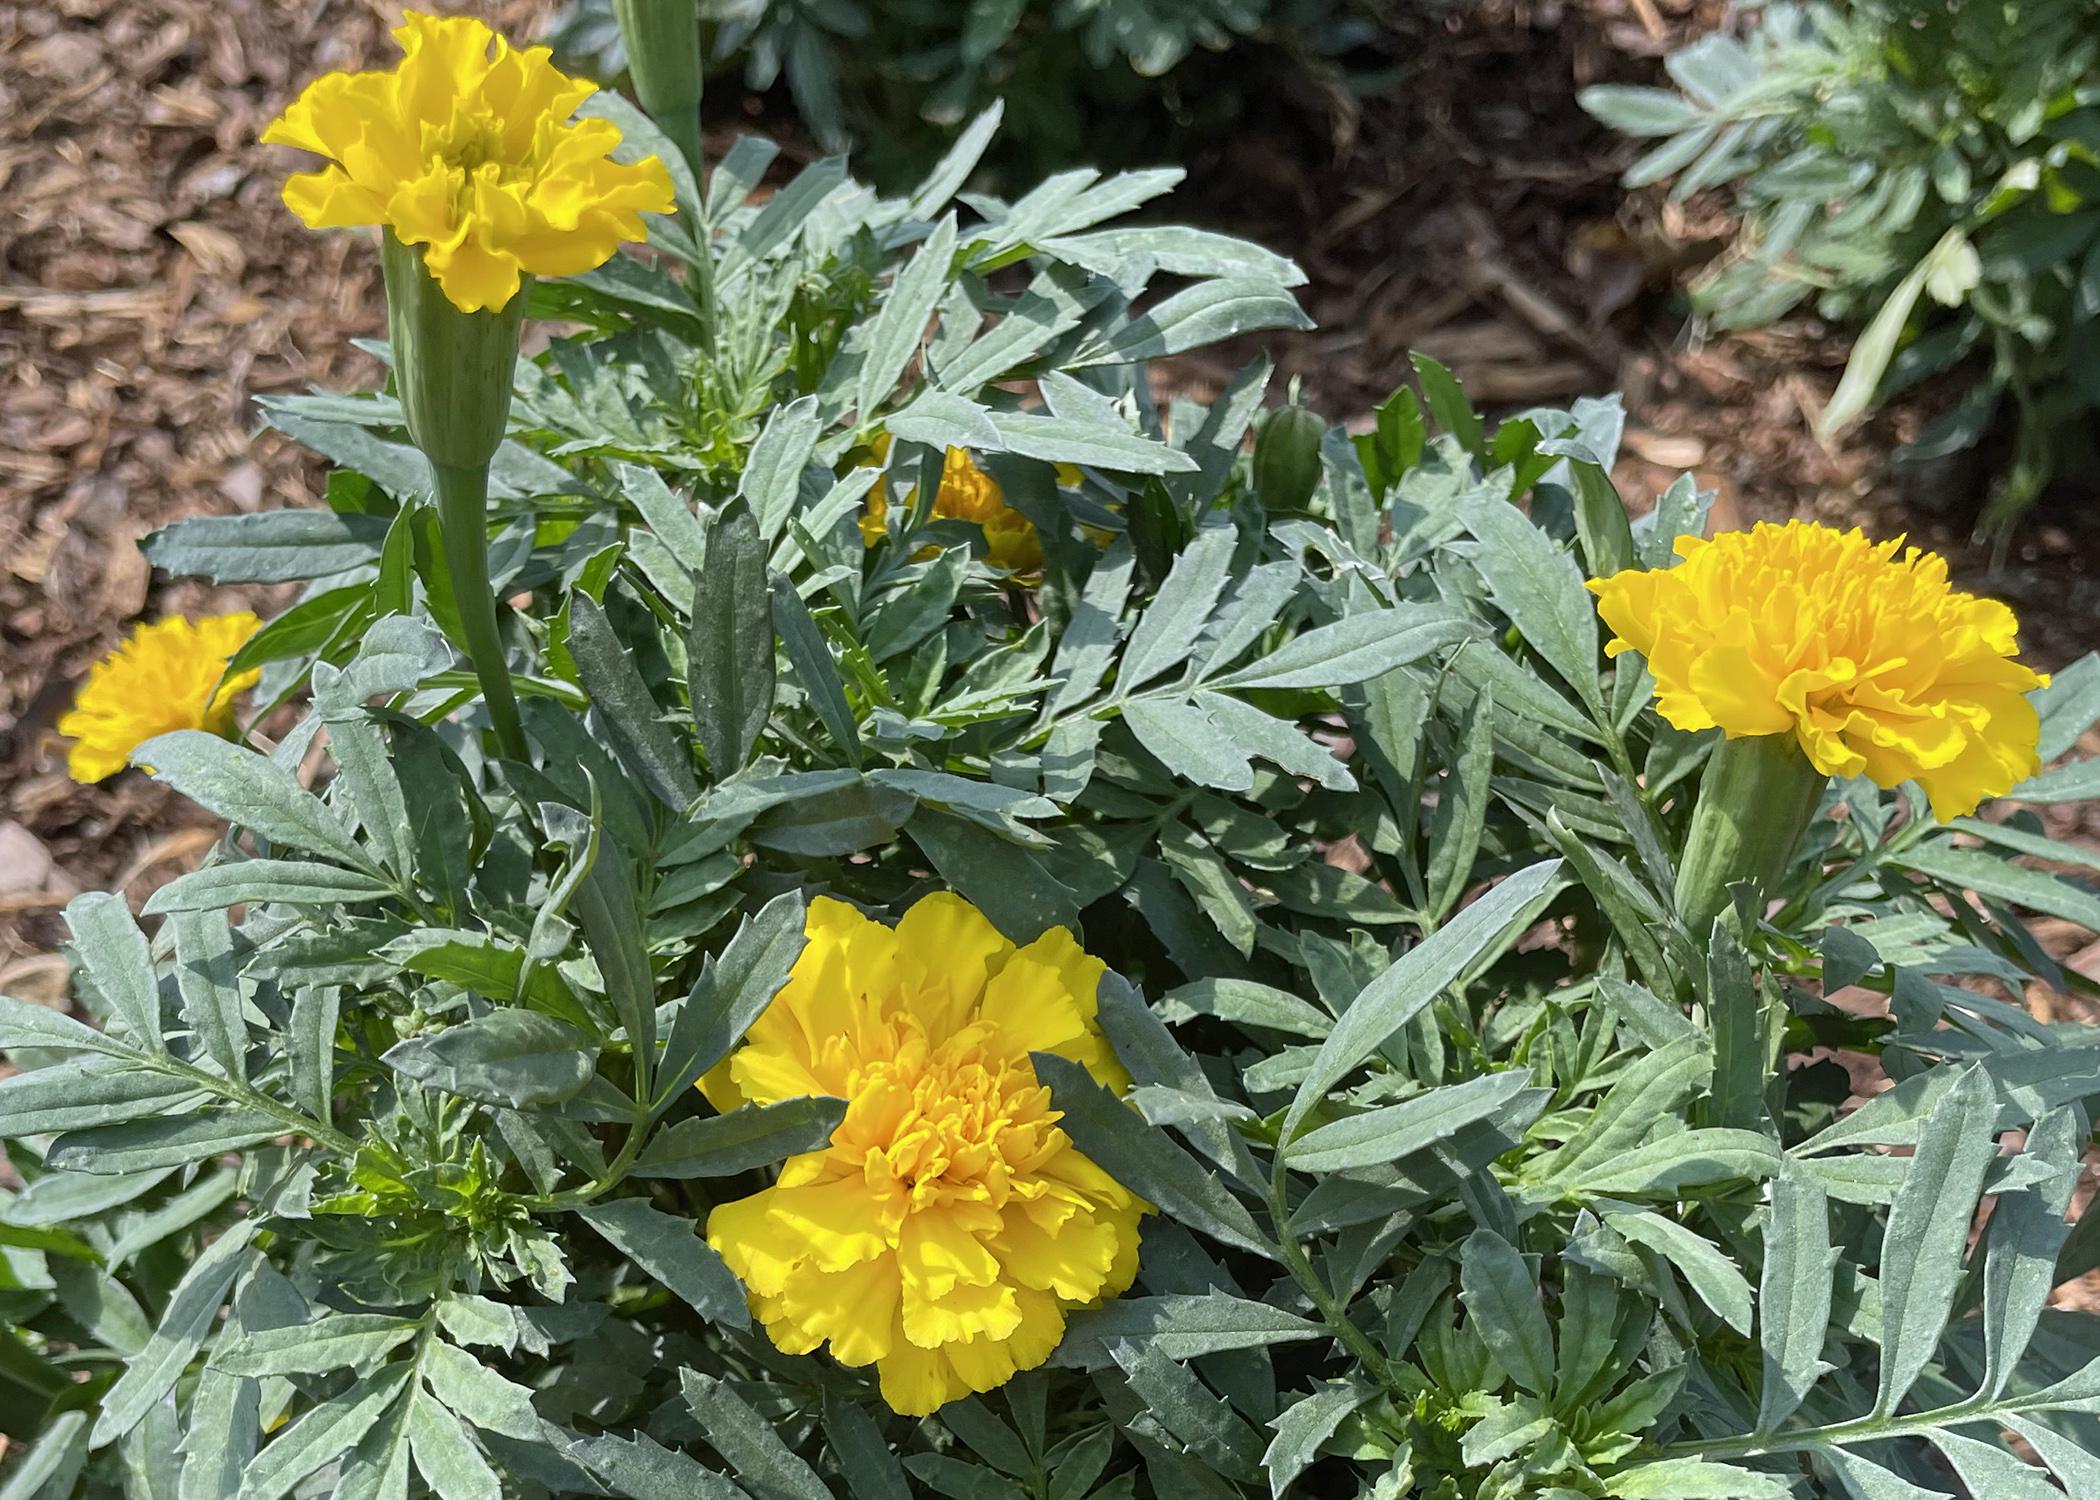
column 152, row 284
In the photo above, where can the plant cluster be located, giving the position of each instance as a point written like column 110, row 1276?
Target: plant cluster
column 896, row 79
column 1252, row 1000
column 1928, row 174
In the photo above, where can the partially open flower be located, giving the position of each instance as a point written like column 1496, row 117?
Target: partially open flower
column 950, row 1225
column 467, row 149
column 166, row 676
column 967, row 493
column 1868, row 659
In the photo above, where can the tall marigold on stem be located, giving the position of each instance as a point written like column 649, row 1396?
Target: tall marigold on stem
column 1818, row 653
column 466, row 157
column 950, row 1225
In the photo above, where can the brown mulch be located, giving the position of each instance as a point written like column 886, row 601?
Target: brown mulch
column 151, row 284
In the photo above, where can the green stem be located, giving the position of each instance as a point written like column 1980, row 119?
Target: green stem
column 1756, row 799
column 1332, row 1313
column 462, row 503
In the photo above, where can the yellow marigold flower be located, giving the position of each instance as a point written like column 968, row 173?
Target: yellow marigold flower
column 467, row 149
column 951, row 1224
column 1867, row 658
column 967, row 493
column 165, row 676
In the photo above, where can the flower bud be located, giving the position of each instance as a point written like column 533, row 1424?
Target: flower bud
column 453, row 368
column 1287, row 457
column 663, row 60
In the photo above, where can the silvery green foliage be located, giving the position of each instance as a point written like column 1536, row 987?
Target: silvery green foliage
column 379, row 1170
column 1925, row 173
column 895, row 78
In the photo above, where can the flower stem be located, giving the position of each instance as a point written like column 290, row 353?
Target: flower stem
column 462, row 503
column 1756, row 799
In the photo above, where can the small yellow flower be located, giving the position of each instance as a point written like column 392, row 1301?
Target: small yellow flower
column 951, row 1224
column 166, row 676
column 1872, row 663
column 467, row 149
column 967, row 493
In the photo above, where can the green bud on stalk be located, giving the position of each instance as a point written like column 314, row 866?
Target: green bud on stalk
column 453, row 370
column 1287, row 457
column 663, row 60
column 1756, row 799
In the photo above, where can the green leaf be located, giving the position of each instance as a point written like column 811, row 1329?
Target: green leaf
column 323, row 1434
column 747, row 1442
column 1145, row 1160
column 817, row 671
column 1182, row 1327
column 671, row 1250
column 474, row 1391
column 752, row 1135
column 513, row 1057
column 207, row 977
column 341, row 1341
column 85, row 1092
column 1503, row 1307
column 1986, row 874
column 1394, row 998
column 2027, row 1231
column 1712, row 1275
column 645, row 745
column 445, row 1454
column 118, row 963
column 729, row 645
column 1695, row 1479
column 163, row 1141
column 871, row 1469
column 1398, row 1131
column 1305, row 1425
column 277, row 546
column 1448, row 404
column 1928, row 1229
column 1676, row 1161
column 642, row 1470
column 900, row 323
column 192, row 1312
column 1876, row 344
column 1170, row 625
column 733, row 989
column 1654, row 1087
column 1206, row 313
column 250, row 882
column 1354, row 649
column 1793, row 1303
column 1188, row 742
column 1537, row 583
column 247, row 789
column 772, row 479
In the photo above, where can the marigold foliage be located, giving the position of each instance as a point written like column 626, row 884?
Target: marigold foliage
column 467, row 149
column 165, row 676
column 967, row 493
column 1867, row 657
column 951, row 1224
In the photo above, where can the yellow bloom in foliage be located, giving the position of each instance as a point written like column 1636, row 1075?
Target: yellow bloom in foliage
column 1873, row 664
column 467, row 149
column 950, row 1225
column 168, row 675
column 967, row 493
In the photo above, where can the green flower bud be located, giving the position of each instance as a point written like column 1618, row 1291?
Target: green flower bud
column 1756, row 799
column 453, row 368
column 1287, row 457
column 663, row 60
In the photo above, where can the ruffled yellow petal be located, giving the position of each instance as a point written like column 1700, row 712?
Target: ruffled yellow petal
column 467, row 148
column 1869, row 658
column 950, row 1223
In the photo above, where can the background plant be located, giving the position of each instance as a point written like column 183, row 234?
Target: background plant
column 896, row 79
column 1924, row 174
column 1476, row 1173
